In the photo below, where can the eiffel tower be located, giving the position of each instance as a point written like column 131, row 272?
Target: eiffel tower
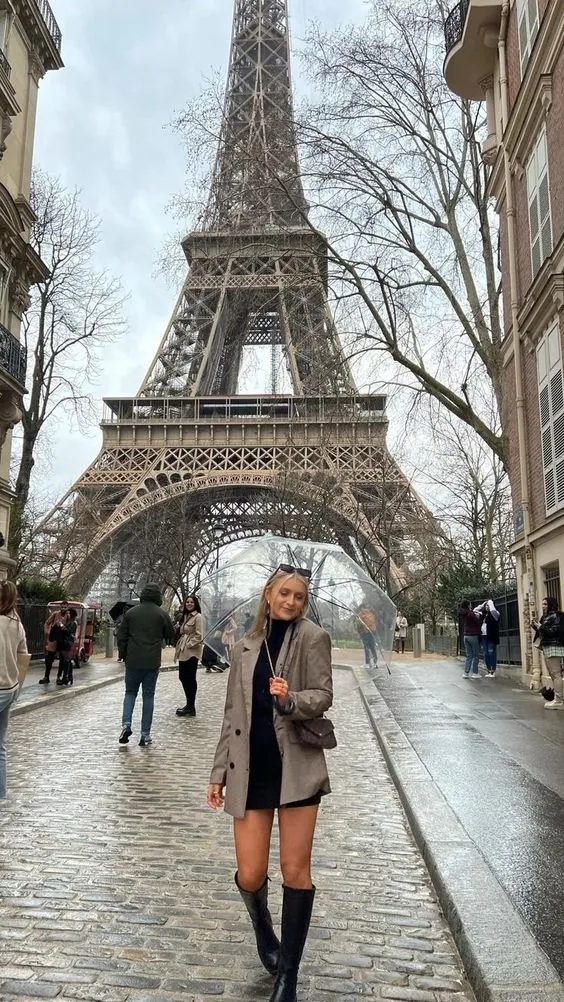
column 257, row 276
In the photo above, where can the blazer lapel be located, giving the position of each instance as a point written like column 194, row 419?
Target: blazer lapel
column 251, row 650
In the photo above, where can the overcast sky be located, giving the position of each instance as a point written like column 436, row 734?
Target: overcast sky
column 103, row 126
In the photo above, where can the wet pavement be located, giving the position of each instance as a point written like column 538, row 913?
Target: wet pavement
column 117, row 881
column 95, row 674
column 496, row 757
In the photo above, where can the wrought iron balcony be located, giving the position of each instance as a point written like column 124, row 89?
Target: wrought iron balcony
column 50, row 23
column 454, row 24
column 13, row 357
column 4, row 64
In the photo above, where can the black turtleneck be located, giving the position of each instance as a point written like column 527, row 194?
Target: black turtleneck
column 265, row 761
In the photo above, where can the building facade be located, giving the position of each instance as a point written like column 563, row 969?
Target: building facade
column 511, row 54
column 30, row 45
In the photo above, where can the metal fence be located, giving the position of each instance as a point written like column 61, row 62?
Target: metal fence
column 509, row 649
column 33, row 617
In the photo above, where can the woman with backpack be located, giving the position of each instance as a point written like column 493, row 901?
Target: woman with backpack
column 550, row 630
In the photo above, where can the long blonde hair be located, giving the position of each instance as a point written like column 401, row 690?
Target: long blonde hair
column 262, row 621
column 8, row 597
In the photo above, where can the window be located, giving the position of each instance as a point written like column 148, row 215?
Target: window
column 552, row 581
column 528, row 23
column 538, row 191
column 551, row 405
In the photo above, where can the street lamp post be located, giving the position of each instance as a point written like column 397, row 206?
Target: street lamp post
column 131, row 586
column 218, row 532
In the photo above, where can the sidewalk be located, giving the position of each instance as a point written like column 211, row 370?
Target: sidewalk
column 99, row 672
column 480, row 769
column 117, row 881
column 94, row 675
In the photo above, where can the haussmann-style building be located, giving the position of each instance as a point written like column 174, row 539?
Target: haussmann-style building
column 511, row 54
column 30, row 45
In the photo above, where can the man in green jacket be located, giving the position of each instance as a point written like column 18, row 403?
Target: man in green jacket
column 140, row 637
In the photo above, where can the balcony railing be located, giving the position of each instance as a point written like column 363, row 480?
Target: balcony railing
column 13, row 357
column 454, row 24
column 50, row 23
column 4, row 64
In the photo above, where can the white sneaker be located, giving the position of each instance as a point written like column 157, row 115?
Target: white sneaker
column 465, row 674
column 554, row 704
column 474, row 676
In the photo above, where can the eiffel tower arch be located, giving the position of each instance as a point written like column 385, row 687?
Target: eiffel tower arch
column 256, row 278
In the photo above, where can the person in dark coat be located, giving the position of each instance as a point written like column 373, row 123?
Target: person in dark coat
column 141, row 634
column 471, row 629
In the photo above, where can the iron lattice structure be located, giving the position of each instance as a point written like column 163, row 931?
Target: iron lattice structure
column 188, row 445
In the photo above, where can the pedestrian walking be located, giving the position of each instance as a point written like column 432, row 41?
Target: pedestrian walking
column 141, row 634
column 14, row 661
column 229, row 637
column 50, row 646
column 401, row 632
column 471, row 628
column 366, row 627
column 551, row 633
column 281, row 671
column 489, row 634
column 188, row 652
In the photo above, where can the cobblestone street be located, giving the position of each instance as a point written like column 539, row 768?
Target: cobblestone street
column 117, row 881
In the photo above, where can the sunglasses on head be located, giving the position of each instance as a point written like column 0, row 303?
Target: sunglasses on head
column 304, row 572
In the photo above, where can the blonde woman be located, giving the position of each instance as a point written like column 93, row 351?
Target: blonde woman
column 13, row 665
column 281, row 671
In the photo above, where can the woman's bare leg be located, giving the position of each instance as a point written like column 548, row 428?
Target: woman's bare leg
column 297, row 828
column 252, row 848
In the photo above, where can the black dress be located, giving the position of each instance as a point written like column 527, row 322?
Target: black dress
column 265, row 761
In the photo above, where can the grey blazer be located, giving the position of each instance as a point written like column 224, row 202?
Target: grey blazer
column 306, row 655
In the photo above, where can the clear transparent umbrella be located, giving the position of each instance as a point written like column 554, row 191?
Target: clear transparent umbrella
column 343, row 598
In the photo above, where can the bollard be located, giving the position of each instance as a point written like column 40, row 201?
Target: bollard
column 109, row 642
column 418, row 639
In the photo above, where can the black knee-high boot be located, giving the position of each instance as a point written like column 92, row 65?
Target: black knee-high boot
column 297, row 906
column 268, row 946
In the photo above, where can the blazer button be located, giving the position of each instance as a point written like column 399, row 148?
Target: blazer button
column 231, row 765
column 237, row 732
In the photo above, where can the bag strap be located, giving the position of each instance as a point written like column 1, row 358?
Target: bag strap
column 273, row 669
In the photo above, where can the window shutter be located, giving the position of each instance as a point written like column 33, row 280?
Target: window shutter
column 523, row 43
column 551, row 410
column 538, row 190
column 528, row 22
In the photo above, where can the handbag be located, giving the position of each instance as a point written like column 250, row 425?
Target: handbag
column 314, row 732
column 317, row 732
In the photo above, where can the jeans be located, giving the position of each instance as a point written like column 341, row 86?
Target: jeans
column 490, row 656
column 7, row 699
column 187, row 675
column 472, row 651
column 147, row 679
column 369, row 648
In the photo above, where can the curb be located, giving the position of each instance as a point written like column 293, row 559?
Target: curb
column 502, row 959
column 64, row 693
column 71, row 693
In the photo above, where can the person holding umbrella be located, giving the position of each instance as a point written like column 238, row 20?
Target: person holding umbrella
column 281, row 670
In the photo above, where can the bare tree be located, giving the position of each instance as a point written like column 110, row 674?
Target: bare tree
column 472, row 498
column 394, row 162
column 74, row 312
